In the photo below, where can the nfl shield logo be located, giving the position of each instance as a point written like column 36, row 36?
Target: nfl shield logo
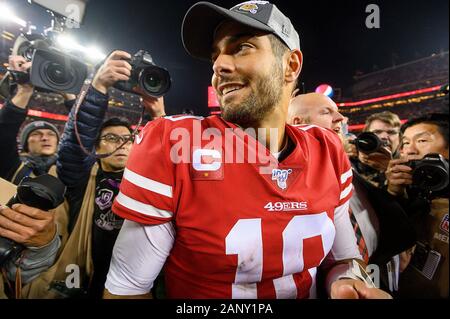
column 281, row 176
column 444, row 223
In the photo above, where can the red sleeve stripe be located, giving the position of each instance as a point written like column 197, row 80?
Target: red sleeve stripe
column 147, row 183
column 346, row 176
column 141, row 208
column 346, row 191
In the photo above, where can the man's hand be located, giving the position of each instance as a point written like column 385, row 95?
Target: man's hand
column 349, row 148
column 68, row 96
column 24, row 91
column 108, row 295
column 26, row 225
column 154, row 105
column 114, row 69
column 19, row 63
column 356, row 289
column 378, row 160
column 405, row 258
column 399, row 175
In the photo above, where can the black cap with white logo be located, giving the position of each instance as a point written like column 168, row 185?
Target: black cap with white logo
column 203, row 18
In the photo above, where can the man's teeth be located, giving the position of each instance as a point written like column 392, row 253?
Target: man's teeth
column 230, row 89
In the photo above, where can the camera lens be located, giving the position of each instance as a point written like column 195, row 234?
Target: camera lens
column 58, row 74
column 430, row 177
column 155, row 81
column 368, row 142
column 152, row 83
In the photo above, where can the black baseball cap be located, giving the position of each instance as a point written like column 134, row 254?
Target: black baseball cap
column 202, row 19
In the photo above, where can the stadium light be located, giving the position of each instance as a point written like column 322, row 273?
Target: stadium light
column 95, row 54
column 8, row 15
column 92, row 53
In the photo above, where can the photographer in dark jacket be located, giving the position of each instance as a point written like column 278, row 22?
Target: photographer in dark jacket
column 92, row 185
column 372, row 166
column 34, row 228
column 427, row 273
column 39, row 139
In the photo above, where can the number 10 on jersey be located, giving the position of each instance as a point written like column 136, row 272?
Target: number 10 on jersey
column 245, row 241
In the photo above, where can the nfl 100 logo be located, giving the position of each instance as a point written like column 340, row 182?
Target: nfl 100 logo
column 281, row 176
column 444, row 223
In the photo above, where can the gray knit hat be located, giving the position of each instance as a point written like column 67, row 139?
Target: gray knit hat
column 33, row 126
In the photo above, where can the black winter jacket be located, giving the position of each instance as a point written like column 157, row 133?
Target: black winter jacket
column 73, row 165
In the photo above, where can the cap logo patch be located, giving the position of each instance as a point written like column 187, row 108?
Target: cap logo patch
column 444, row 223
column 249, row 7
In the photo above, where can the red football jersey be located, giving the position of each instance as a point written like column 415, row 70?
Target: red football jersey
column 241, row 231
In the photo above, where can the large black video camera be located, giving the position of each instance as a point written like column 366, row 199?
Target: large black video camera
column 51, row 70
column 151, row 79
column 45, row 192
column 430, row 174
column 368, row 142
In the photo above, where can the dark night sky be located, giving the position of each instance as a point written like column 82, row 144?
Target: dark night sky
column 334, row 39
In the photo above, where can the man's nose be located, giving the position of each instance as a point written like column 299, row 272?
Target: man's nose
column 384, row 136
column 338, row 117
column 223, row 65
column 126, row 145
column 410, row 149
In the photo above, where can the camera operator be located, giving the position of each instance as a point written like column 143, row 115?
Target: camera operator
column 92, row 184
column 34, row 228
column 39, row 139
column 386, row 126
column 427, row 273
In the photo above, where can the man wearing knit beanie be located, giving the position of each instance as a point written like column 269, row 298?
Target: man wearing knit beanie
column 39, row 138
column 20, row 223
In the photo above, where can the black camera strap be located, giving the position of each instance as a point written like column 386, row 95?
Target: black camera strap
column 77, row 105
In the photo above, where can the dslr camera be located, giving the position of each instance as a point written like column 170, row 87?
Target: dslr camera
column 150, row 78
column 430, row 174
column 45, row 192
column 51, row 70
column 368, row 142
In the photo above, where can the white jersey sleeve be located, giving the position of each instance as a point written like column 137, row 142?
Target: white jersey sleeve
column 345, row 244
column 139, row 254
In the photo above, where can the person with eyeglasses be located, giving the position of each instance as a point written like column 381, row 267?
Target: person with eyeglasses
column 92, row 184
column 386, row 126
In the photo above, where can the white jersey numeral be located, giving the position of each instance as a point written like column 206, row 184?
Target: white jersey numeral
column 245, row 241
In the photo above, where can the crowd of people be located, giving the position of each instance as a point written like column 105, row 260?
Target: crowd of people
column 425, row 72
column 432, row 103
column 272, row 199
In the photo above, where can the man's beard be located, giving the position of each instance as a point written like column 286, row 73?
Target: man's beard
column 261, row 102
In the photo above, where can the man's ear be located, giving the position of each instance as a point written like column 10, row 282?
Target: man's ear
column 297, row 120
column 294, row 66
